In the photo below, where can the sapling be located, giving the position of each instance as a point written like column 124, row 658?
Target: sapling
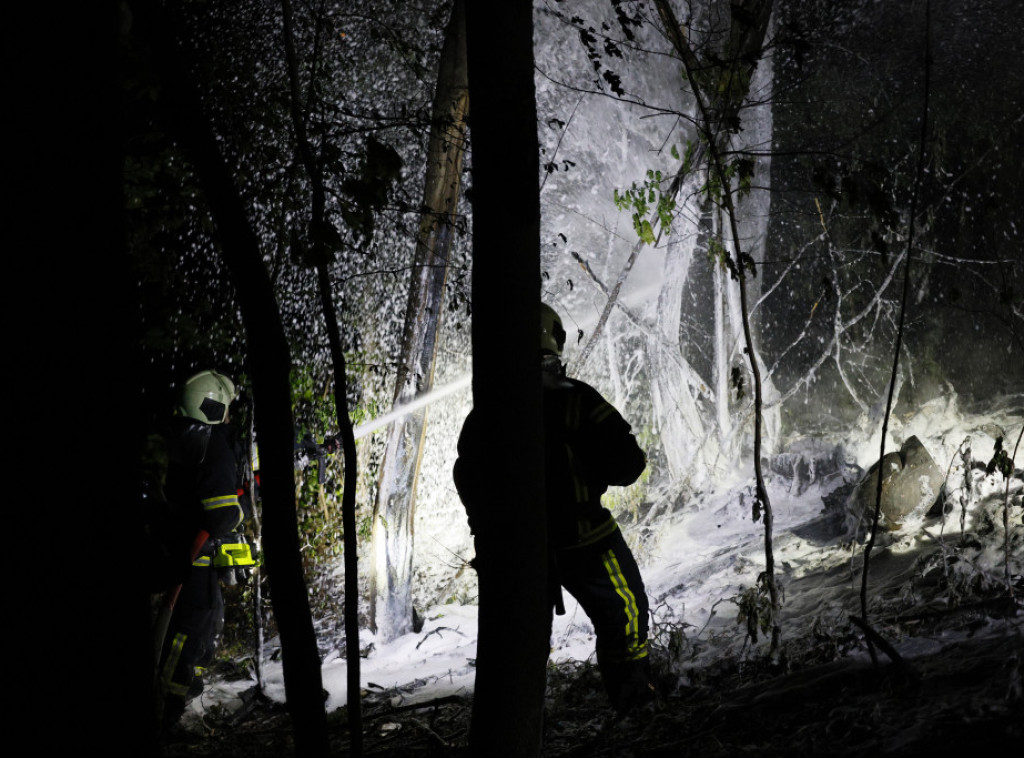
column 869, row 636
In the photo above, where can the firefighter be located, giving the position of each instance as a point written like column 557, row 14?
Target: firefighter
column 202, row 484
column 588, row 447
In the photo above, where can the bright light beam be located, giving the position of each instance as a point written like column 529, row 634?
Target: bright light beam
column 434, row 395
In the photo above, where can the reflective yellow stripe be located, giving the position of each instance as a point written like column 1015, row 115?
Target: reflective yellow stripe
column 582, row 492
column 224, row 501
column 601, row 413
column 173, row 656
column 635, row 649
column 588, row 535
column 203, row 561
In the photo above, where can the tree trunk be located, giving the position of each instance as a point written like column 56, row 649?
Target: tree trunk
column 675, row 386
column 750, row 19
column 514, row 620
column 322, row 255
column 894, row 378
column 270, row 362
column 348, row 516
column 64, row 134
column 391, row 588
column 722, row 355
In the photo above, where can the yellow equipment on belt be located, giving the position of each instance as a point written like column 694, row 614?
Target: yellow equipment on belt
column 233, row 554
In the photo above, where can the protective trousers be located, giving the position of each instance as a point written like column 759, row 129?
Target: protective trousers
column 191, row 641
column 605, row 580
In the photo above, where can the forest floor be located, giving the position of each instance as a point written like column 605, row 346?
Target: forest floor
column 946, row 677
column 966, row 694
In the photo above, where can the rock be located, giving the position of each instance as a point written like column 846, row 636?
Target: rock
column 920, row 483
column 910, row 481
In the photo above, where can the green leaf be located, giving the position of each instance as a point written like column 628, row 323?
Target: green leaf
column 688, row 160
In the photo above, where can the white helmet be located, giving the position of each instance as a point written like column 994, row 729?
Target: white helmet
column 552, row 333
column 206, row 396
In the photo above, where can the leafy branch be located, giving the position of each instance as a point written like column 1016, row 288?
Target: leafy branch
column 641, row 198
column 719, row 90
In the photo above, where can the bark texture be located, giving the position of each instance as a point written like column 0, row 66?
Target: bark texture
column 391, row 588
column 270, row 361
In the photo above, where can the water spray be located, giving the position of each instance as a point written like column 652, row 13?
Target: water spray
column 430, row 397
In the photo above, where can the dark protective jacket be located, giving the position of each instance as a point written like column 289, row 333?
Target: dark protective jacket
column 588, row 447
column 204, row 484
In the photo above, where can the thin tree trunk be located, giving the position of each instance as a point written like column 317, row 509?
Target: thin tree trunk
column 257, row 577
column 391, row 588
column 322, row 254
column 720, row 372
column 764, row 505
column 905, row 299
column 348, row 517
column 511, row 541
column 270, row 362
column 613, row 297
column 717, row 110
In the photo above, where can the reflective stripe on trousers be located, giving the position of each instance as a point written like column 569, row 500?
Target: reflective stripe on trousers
column 635, row 649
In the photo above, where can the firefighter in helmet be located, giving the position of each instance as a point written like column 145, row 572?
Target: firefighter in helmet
column 202, row 484
column 588, row 447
